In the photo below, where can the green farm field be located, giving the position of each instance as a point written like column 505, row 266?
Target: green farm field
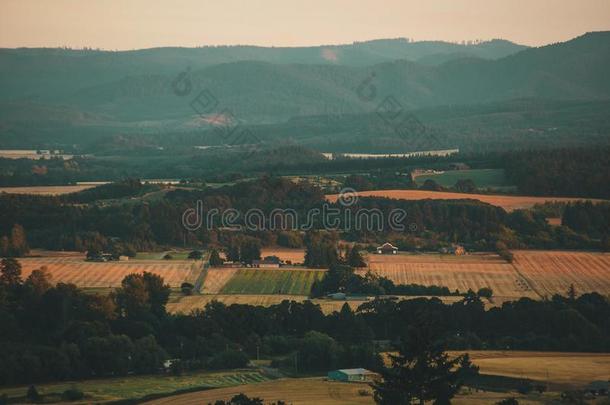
column 275, row 281
column 136, row 387
column 482, row 178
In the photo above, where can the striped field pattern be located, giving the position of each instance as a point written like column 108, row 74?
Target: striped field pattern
column 136, row 386
column 454, row 272
column 272, row 281
column 552, row 272
column 85, row 274
column 216, row 279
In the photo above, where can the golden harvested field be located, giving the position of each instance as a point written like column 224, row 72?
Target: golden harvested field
column 46, row 190
column 109, row 274
column 454, row 272
column 507, row 202
column 317, row 390
column 216, row 279
column 294, row 255
column 551, row 272
column 574, row 369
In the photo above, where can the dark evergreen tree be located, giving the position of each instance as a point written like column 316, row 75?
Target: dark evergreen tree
column 10, row 272
column 422, row 371
column 215, row 259
column 354, row 258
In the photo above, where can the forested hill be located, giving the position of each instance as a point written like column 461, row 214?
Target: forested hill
column 50, row 93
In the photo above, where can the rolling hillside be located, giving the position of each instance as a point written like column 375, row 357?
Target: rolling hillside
column 105, row 93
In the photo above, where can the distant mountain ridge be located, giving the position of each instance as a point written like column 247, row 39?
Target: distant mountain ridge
column 33, row 72
column 90, row 92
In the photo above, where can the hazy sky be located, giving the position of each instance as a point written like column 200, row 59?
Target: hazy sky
column 131, row 24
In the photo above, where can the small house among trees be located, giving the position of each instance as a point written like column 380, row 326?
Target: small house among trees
column 268, row 261
column 387, row 249
column 456, row 250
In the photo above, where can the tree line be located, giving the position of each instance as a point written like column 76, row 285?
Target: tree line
column 126, row 227
column 52, row 332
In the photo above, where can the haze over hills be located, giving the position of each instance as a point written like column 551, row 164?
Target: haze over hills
column 59, row 97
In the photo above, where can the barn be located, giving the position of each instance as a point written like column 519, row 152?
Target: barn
column 352, row 375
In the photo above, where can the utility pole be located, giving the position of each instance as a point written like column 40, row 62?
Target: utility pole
column 258, row 357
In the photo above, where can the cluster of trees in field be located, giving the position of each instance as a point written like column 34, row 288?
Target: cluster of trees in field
column 342, row 278
column 15, row 244
column 243, row 249
column 59, row 332
column 589, row 219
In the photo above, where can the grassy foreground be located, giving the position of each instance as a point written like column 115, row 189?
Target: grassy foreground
column 318, row 391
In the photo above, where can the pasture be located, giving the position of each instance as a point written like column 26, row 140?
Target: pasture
column 135, row 387
column 272, row 281
column 74, row 269
column 566, row 369
column 296, row 391
column 319, row 391
column 533, row 274
column 556, row 370
column 507, row 202
column 482, row 178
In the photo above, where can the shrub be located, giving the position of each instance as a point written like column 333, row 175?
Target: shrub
column 525, row 387
column 485, row 292
column 215, row 259
column 508, row 401
column 195, row 255
column 32, row 394
column 241, row 399
column 187, row 288
column 72, row 394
